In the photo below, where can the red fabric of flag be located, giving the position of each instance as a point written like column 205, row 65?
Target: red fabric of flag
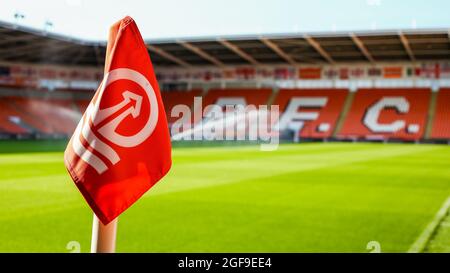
column 121, row 146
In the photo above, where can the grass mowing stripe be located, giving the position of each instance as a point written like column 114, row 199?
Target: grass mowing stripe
column 301, row 198
column 421, row 242
column 255, row 166
column 440, row 241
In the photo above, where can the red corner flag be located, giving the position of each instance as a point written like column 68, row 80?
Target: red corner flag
column 121, row 146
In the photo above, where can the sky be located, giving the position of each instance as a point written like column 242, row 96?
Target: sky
column 169, row 19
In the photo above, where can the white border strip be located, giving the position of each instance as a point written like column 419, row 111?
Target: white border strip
column 421, row 242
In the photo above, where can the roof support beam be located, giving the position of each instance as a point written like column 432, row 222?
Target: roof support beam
column 10, row 40
column 167, row 55
column 63, row 55
column 279, row 51
column 407, row 47
column 99, row 60
column 69, row 54
column 51, row 48
column 362, row 47
column 201, row 53
column 448, row 34
column 28, row 46
column 319, row 49
column 5, row 30
column 238, row 51
column 80, row 55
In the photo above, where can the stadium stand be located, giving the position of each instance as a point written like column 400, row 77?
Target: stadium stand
column 10, row 119
column 26, row 120
column 379, row 114
column 323, row 119
column 223, row 97
column 172, row 98
column 46, row 96
column 441, row 123
column 375, row 114
column 49, row 116
column 249, row 96
column 229, row 123
column 82, row 105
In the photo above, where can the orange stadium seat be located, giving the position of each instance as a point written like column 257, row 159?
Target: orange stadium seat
column 10, row 107
column 54, row 116
column 225, row 97
column 387, row 113
column 441, row 123
column 6, row 116
column 172, row 98
column 251, row 96
column 323, row 125
column 82, row 105
column 254, row 97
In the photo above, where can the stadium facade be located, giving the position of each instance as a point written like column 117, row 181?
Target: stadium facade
column 374, row 86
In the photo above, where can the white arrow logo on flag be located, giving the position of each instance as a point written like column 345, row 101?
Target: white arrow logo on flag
column 132, row 103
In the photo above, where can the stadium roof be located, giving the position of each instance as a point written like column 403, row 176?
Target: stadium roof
column 21, row 44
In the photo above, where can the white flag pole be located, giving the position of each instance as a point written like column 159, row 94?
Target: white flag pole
column 103, row 237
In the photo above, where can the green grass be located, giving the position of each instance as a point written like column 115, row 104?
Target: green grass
column 300, row 198
column 440, row 242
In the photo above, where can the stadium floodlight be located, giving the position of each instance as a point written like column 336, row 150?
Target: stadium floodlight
column 18, row 16
column 47, row 25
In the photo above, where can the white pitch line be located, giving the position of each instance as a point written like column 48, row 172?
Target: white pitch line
column 421, row 242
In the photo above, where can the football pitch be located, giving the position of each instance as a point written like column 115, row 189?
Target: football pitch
column 319, row 197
